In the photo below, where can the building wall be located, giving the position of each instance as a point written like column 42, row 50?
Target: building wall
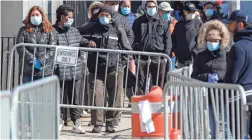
column 14, row 12
column 11, row 17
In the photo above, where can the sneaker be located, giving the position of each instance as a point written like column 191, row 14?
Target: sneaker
column 97, row 129
column 110, row 129
column 61, row 125
column 117, row 125
column 77, row 127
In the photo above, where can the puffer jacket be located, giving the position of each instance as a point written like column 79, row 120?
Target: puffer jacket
column 45, row 56
column 70, row 37
column 107, row 37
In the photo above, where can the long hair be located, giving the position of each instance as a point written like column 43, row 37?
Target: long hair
column 46, row 25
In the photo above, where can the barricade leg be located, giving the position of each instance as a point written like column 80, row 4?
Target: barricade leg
column 158, row 77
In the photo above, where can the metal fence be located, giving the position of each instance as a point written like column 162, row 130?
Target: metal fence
column 219, row 108
column 109, row 73
column 35, row 110
column 5, row 114
column 185, row 71
column 6, row 45
column 174, row 76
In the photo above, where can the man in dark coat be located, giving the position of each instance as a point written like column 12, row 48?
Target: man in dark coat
column 185, row 36
column 110, row 68
column 239, row 61
column 151, row 35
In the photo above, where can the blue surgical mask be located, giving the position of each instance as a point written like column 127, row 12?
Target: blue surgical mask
column 36, row 20
column 177, row 15
column 69, row 22
column 166, row 16
column 125, row 10
column 104, row 20
column 213, row 46
column 209, row 12
column 151, row 11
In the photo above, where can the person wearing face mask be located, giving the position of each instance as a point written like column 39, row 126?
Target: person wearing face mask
column 177, row 13
column 184, row 36
column 210, row 12
column 210, row 65
column 120, row 19
column 151, row 35
column 165, row 12
column 67, row 35
column 36, row 30
column 107, row 34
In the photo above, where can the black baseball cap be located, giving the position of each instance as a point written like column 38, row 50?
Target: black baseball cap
column 189, row 6
column 239, row 15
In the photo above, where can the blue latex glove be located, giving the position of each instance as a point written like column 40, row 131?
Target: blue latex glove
column 37, row 65
column 213, row 78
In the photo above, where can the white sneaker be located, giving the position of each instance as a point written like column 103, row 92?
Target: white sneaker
column 77, row 128
column 117, row 125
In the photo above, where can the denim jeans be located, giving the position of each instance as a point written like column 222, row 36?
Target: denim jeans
column 212, row 124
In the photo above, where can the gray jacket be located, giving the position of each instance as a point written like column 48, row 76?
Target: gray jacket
column 44, row 55
column 72, row 38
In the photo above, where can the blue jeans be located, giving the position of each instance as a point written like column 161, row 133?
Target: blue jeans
column 212, row 124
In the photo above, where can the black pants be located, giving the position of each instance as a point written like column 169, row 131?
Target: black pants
column 100, row 98
column 68, row 93
column 153, row 70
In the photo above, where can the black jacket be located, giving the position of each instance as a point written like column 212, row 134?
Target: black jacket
column 72, row 38
column 119, row 20
column 37, row 36
column 152, row 35
column 239, row 66
column 207, row 62
column 184, row 39
column 107, row 37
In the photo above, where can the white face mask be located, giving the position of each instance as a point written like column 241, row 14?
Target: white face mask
column 115, row 8
column 190, row 16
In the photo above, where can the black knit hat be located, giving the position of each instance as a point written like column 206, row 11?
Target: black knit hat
column 106, row 9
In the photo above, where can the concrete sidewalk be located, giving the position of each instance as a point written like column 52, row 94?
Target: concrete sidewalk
column 123, row 132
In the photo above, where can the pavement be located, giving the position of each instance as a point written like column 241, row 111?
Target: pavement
column 123, row 132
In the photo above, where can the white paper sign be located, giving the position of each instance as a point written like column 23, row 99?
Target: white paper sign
column 146, row 122
column 66, row 55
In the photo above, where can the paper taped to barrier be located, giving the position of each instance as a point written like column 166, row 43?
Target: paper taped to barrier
column 146, row 122
column 67, row 56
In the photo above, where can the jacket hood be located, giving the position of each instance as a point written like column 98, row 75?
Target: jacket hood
column 214, row 25
column 243, row 34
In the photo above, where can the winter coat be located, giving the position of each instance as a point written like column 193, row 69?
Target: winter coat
column 207, row 62
column 107, row 37
column 239, row 66
column 185, row 39
column 72, row 38
column 152, row 35
column 119, row 20
column 44, row 55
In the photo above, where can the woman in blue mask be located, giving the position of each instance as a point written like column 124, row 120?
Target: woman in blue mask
column 210, row 64
column 37, row 61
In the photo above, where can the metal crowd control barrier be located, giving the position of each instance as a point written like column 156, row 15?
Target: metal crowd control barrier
column 6, row 44
column 173, row 76
column 219, row 108
column 107, row 69
column 35, row 110
column 5, row 114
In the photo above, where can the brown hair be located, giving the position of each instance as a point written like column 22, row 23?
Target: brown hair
column 47, row 27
